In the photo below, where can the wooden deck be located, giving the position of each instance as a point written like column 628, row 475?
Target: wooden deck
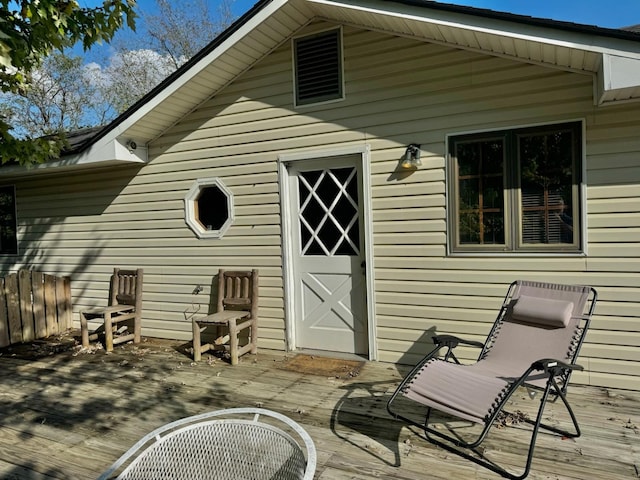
column 69, row 416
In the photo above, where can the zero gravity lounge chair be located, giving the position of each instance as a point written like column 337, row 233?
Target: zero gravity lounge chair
column 534, row 343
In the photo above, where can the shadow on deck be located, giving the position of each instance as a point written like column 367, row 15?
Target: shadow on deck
column 69, row 415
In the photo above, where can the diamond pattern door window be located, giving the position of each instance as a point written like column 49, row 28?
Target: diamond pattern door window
column 329, row 214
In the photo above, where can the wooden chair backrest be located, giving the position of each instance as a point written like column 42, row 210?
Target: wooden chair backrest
column 126, row 287
column 238, row 290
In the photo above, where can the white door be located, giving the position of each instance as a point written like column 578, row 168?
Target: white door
column 328, row 258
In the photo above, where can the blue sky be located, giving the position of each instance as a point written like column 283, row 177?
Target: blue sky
column 604, row 13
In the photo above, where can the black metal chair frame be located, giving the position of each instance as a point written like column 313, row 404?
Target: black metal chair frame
column 553, row 370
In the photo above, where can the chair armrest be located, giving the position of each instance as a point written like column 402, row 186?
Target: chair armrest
column 118, row 308
column 452, row 341
column 109, row 309
column 549, row 365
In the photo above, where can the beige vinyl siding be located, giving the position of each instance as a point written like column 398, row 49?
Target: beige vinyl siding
column 398, row 91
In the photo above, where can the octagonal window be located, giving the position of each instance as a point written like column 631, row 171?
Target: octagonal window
column 209, row 208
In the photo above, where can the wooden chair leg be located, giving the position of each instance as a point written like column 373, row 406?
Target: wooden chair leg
column 108, row 332
column 84, row 330
column 137, row 328
column 253, row 332
column 233, row 341
column 197, row 353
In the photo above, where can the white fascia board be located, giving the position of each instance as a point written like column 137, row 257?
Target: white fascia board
column 104, row 152
column 492, row 26
column 110, row 149
column 616, row 73
column 620, row 72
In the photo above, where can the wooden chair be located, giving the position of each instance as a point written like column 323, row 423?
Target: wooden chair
column 237, row 301
column 125, row 304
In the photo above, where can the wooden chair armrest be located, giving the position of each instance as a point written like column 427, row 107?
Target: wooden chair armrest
column 224, row 316
column 110, row 309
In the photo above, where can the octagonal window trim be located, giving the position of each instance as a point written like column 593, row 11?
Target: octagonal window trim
column 191, row 208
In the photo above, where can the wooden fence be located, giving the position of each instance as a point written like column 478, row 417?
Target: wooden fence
column 33, row 305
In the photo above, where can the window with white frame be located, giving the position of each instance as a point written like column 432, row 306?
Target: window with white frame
column 209, row 208
column 516, row 190
column 318, row 67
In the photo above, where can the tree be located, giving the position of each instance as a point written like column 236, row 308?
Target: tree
column 30, row 30
column 166, row 39
column 62, row 93
column 65, row 94
column 61, row 96
column 182, row 29
column 129, row 75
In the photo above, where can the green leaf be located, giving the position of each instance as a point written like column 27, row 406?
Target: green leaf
column 29, row 31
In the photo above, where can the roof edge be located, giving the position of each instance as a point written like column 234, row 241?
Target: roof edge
column 524, row 19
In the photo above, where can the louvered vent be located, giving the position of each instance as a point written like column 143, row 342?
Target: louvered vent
column 318, row 62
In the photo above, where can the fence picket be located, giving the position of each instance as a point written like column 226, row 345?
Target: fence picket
column 67, row 316
column 50, row 308
column 37, row 284
column 13, row 307
column 26, row 305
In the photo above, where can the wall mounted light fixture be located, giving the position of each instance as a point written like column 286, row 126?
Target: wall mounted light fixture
column 411, row 157
column 131, row 145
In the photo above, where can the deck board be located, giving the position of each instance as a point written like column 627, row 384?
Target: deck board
column 69, row 416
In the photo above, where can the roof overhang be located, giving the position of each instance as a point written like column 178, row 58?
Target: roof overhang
column 612, row 56
column 618, row 79
column 105, row 153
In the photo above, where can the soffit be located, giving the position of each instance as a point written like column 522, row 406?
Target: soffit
column 525, row 41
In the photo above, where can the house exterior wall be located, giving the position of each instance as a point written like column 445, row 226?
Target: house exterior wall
column 398, row 91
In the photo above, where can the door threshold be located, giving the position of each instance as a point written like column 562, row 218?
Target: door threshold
column 331, row 354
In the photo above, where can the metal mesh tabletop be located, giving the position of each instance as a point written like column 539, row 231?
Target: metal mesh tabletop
column 221, row 445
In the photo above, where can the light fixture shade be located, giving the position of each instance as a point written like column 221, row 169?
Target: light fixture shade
column 411, row 157
column 406, row 161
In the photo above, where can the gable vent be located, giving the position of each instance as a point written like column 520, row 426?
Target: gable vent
column 318, row 62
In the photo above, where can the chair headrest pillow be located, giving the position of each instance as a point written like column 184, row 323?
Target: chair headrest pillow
column 542, row 311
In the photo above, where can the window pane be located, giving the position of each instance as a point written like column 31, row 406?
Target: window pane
column 480, row 166
column 212, row 208
column 546, row 165
column 532, row 216
column 493, row 228
column 468, row 155
column 469, row 228
column 492, row 156
column 492, row 195
column 8, row 237
column 469, row 191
